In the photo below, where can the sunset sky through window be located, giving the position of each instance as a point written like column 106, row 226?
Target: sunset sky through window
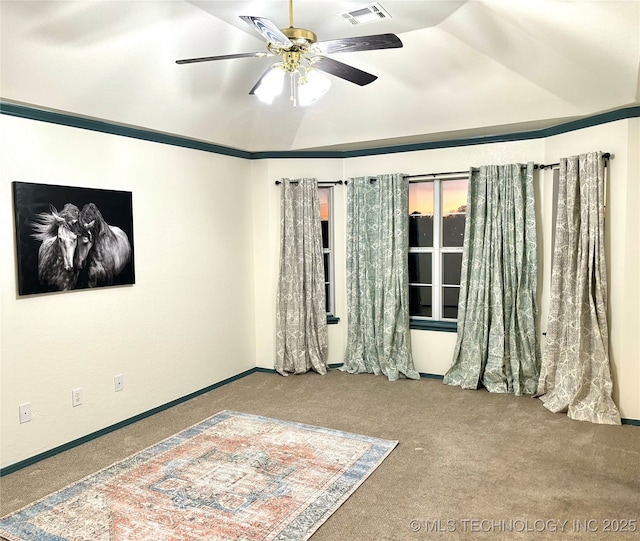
column 421, row 196
column 324, row 204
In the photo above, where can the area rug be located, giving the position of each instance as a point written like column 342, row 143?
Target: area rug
column 234, row 476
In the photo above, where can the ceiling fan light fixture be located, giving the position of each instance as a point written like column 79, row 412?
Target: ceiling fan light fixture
column 312, row 87
column 271, row 85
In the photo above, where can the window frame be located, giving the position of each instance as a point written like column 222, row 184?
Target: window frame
column 436, row 321
column 329, row 253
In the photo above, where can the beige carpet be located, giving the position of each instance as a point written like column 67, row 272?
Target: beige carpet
column 469, row 465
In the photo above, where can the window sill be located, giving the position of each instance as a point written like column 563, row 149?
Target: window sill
column 428, row 325
column 418, row 324
column 332, row 320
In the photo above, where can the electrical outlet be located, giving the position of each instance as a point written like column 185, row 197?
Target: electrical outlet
column 118, row 382
column 25, row 412
column 76, row 397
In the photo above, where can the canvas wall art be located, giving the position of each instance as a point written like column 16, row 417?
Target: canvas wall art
column 72, row 238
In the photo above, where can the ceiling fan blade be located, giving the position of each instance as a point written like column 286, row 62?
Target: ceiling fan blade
column 363, row 43
column 344, row 71
column 222, row 57
column 268, row 31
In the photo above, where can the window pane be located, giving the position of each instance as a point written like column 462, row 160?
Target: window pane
column 420, row 231
column 454, row 211
column 323, row 195
column 420, row 301
column 453, row 230
column 421, row 214
column 454, row 195
column 325, row 233
column 326, row 267
column 450, row 296
column 327, row 290
column 421, row 198
column 451, row 267
column 420, row 268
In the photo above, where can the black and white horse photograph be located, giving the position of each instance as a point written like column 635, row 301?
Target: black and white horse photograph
column 72, row 238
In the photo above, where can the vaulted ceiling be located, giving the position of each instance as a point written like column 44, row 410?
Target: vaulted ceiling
column 467, row 68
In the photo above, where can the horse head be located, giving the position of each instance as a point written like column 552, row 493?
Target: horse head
column 109, row 245
column 69, row 212
column 91, row 218
column 68, row 230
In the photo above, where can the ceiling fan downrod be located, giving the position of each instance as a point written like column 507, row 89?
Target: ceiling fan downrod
column 299, row 36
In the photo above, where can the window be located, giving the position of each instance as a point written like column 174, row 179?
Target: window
column 325, row 194
column 437, row 215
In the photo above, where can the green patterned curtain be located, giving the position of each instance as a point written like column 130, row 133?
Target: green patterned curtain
column 575, row 375
column 378, row 338
column 301, row 318
column 497, row 343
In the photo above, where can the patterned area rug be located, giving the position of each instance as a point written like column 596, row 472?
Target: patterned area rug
column 233, row 476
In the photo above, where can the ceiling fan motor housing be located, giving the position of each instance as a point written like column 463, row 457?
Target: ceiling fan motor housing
column 300, row 36
column 291, row 61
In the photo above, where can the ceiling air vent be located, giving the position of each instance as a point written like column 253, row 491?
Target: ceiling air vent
column 366, row 14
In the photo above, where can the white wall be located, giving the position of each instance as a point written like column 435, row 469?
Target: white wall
column 206, row 233
column 187, row 323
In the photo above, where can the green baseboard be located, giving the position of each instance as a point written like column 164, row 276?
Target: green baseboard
column 84, row 439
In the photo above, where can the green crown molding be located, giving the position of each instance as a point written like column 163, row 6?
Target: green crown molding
column 33, row 113
column 587, row 122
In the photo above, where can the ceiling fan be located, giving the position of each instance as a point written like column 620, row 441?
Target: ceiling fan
column 300, row 56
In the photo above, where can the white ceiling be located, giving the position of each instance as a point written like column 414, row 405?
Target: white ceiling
column 475, row 67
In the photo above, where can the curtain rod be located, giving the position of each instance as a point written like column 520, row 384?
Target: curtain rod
column 438, row 174
column 278, row 182
column 465, row 172
column 374, row 179
column 606, row 156
column 370, row 179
